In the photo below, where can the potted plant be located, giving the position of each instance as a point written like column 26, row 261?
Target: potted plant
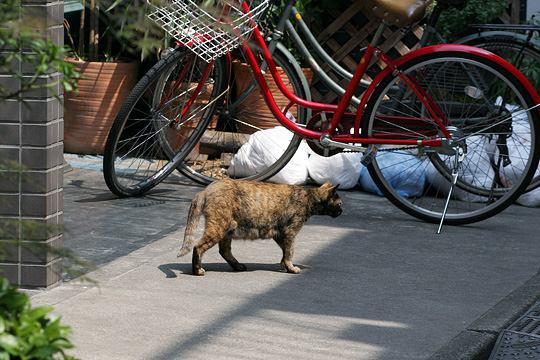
column 106, row 33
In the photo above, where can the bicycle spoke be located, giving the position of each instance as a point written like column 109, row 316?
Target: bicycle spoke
column 491, row 122
column 152, row 136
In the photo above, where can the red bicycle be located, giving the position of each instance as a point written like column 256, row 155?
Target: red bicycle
column 460, row 120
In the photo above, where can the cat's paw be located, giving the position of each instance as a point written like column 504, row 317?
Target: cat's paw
column 291, row 268
column 239, row 267
column 198, row 272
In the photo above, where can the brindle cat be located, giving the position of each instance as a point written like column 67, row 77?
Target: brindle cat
column 236, row 209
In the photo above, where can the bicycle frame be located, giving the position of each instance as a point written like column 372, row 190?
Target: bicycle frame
column 406, row 92
column 430, row 33
column 339, row 109
column 436, row 115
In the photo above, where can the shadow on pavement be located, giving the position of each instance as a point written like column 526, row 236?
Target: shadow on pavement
column 171, row 270
column 381, row 285
column 375, row 281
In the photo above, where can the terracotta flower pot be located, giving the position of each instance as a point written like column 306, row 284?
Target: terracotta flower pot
column 88, row 115
column 254, row 109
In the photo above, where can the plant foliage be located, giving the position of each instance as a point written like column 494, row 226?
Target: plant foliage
column 21, row 43
column 455, row 19
column 29, row 333
column 111, row 29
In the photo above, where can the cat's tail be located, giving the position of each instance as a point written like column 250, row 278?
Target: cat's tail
column 194, row 215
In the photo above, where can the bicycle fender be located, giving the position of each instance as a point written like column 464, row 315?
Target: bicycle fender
column 503, row 35
column 297, row 68
column 434, row 49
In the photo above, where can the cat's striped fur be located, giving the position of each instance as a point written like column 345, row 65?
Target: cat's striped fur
column 236, row 209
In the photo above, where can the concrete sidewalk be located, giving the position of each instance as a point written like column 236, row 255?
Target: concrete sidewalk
column 375, row 282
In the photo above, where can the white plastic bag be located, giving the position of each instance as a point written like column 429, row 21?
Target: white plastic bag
column 263, row 149
column 515, row 145
column 530, row 199
column 343, row 169
column 475, row 169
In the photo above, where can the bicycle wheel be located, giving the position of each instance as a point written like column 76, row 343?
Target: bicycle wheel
column 486, row 107
column 526, row 58
column 245, row 141
column 160, row 121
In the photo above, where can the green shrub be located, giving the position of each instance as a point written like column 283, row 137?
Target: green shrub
column 455, row 19
column 19, row 30
column 29, row 333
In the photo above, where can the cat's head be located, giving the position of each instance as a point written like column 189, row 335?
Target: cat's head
column 330, row 202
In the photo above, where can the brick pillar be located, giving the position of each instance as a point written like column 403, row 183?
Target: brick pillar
column 31, row 138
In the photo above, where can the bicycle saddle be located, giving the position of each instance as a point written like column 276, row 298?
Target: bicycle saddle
column 399, row 12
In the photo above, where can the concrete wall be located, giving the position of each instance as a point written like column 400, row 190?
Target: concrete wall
column 31, row 137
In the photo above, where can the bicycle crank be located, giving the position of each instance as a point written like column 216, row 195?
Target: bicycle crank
column 328, row 143
column 325, row 146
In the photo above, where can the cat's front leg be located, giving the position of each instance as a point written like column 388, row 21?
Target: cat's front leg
column 286, row 243
column 289, row 266
column 226, row 253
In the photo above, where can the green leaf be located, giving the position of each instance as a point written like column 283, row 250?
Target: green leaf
column 39, row 312
column 4, row 285
column 9, row 343
column 14, row 300
column 53, row 329
column 45, row 352
column 67, row 86
column 29, row 333
column 63, row 343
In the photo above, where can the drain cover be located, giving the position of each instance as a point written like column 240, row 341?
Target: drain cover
column 521, row 340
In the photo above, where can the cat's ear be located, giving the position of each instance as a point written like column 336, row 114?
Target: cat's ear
column 327, row 189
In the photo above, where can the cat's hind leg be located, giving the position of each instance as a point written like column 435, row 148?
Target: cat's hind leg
column 215, row 231
column 226, row 253
column 196, row 265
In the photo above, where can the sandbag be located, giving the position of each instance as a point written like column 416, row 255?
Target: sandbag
column 343, row 169
column 262, row 150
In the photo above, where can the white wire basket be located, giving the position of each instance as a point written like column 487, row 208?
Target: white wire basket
column 208, row 31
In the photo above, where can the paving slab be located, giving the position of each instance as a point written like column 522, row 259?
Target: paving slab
column 375, row 282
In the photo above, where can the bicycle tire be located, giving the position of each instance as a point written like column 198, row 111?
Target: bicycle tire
column 160, row 121
column 517, row 52
column 525, row 56
column 223, row 140
column 460, row 96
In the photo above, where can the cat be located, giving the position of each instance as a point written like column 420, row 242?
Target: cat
column 240, row 209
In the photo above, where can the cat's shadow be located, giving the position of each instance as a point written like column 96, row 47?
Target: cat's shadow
column 171, row 270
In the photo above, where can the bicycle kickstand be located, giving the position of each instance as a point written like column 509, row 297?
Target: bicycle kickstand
column 458, row 159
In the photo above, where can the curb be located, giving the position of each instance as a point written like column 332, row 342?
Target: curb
column 477, row 341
